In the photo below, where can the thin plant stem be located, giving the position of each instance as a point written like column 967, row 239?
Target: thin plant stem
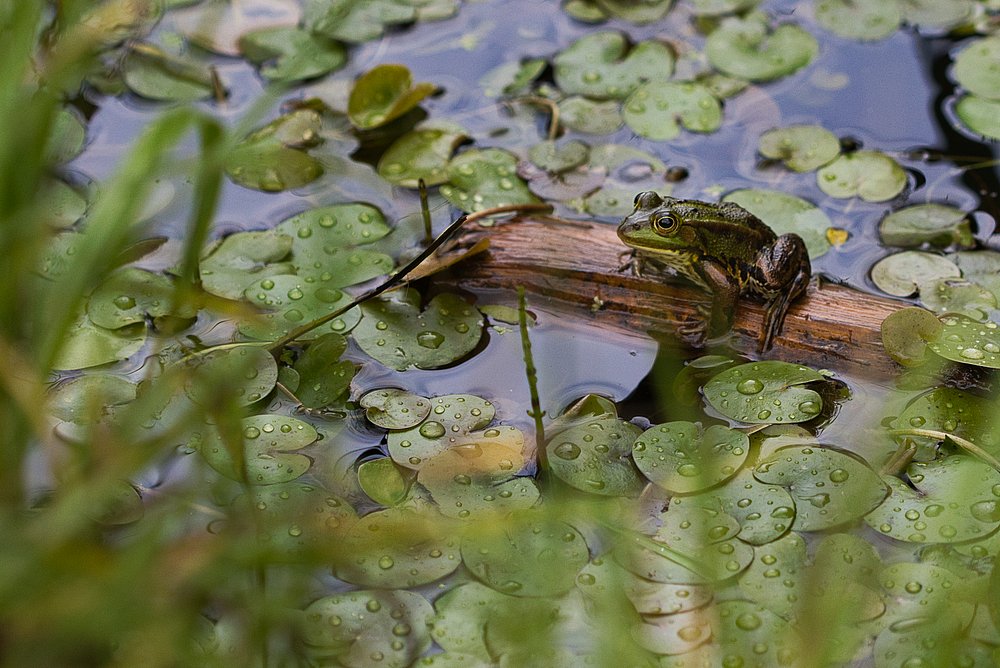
column 425, row 211
column 966, row 445
column 531, row 372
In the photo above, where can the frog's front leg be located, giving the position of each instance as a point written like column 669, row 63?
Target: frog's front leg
column 725, row 290
column 785, row 272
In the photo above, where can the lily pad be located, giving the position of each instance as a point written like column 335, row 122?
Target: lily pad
column 754, row 636
column 749, row 49
column 128, row 295
column 395, row 409
column 67, row 137
column 775, row 578
column 86, row 398
column 422, row 153
column 684, row 457
column 603, row 577
column 527, row 555
column 595, row 456
column 357, row 21
column 553, row 156
column 980, row 115
column 951, row 500
column 906, row 333
column 246, row 375
column 454, row 421
column 830, row 488
column 158, row 75
column 674, row 635
column 871, row 175
column 921, row 594
column 352, row 627
column 951, row 411
column 802, row 148
column 269, row 450
column 721, row 7
column 935, row 224
column 396, row 548
column 957, row 295
column 864, row 21
column 595, row 117
column 658, row 110
column 640, row 13
column 295, row 520
column 485, row 178
column 217, row 26
column 286, row 54
column 786, row 213
column 965, row 340
column 61, row 204
column 602, row 66
column 937, row 13
column 400, row 335
column 977, row 67
column 512, row 78
column 765, row 393
column 324, row 378
column 383, row 481
column 981, row 266
column 383, row 94
column 902, row 274
column 273, row 158
column 288, row 302
column 238, row 260
column 88, row 345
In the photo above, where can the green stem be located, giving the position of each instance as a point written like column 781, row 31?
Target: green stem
column 966, row 445
column 425, row 211
column 536, row 411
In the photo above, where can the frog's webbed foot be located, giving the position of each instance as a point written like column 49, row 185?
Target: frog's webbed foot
column 627, row 260
column 777, row 309
column 694, row 330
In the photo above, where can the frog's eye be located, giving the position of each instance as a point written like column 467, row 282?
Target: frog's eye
column 664, row 224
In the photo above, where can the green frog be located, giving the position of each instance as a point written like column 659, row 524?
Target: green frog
column 722, row 248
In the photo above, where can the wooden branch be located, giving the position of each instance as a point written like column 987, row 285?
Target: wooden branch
column 575, row 267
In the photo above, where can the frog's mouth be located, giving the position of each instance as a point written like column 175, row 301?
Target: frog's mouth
column 631, row 226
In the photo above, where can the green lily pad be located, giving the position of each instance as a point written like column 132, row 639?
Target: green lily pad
column 357, row 21
column 395, row 409
column 658, row 110
column 830, row 488
column 764, row 512
column 512, row 78
column 775, row 578
column 396, row 548
column 67, row 137
column 596, row 456
column 957, row 295
column 765, row 393
column 922, row 594
column 400, row 335
column 949, row 648
column 603, row 576
column 324, row 378
column 88, row 345
column 951, row 500
column 786, row 213
column 158, row 75
column 270, row 450
column 288, row 302
column 85, row 399
column 350, row 628
column 295, row 519
column 981, row 266
column 965, row 340
column 61, row 204
column 802, row 148
column 453, row 421
column 553, row 156
column 272, row 158
column 382, row 481
column 871, row 175
column 602, row 66
column 684, row 457
column 217, row 26
column 227, row 268
column 527, row 555
column 977, row 67
column 864, row 21
column 595, row 117
column 485, row 178
column 673, row 635
column 935, row 224
column 422, row 153
column 749, row 49
column 906, row 333
column 246, row 374
column 951, row 411
column 128, row 295
column 641, row 13
column 937, row 13
column 325, row 240
column 754, row 636
column 721, row 7
column 902, row 274
column 286, row 54
column 980, row 115
column 383, row 94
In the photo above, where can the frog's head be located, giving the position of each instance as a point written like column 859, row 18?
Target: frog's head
column 653, row 224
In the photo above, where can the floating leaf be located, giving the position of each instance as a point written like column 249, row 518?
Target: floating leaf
column 293, row 519
column 755, row 636
column 61, row 205
column 906, row 333
column 324, row 378
column 936, row 224
column 595, row 457
column 217, row 26
column 422, row 153
column 721, row 7
column 287, row 54
column 802, row 148
column 830, row 488
column 527, row 555
column 382, row 481
column 128, row 295
column 957, row 295
column 270, row 445
column 950, row 500
column 453, row 420
column 158, row 75
column 553, row 156
column 512, row 78
column 290, row 302
column 765, row 393
column 786, row 213
column 601, row 65
column 271, row 158
column 748, row 49
column 871, row 175
column 594, row 117
column 383, row 94
column 977, row 67
column 647, row 11
column 395, row 409
column 684, row 457
column 246, row 375
column 67, row 137
column 865, row 21
column 242, row 258
column 350, row 628
column 937, row 13
column 603, row 576
column 980, row 115
column 981, row 266
column 87, row 344
column 361, row 21
column 902, row 274
column 85, row 399
column 676, row 634
column 950, row 411
column 965, row 340
column 658, row 110
column 775, row 579
column 483, row 179
column 921, row 594
column 395, row 548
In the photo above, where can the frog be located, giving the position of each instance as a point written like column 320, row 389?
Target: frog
column 723, row 249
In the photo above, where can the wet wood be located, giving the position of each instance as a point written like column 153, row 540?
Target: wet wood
column 574, row 269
